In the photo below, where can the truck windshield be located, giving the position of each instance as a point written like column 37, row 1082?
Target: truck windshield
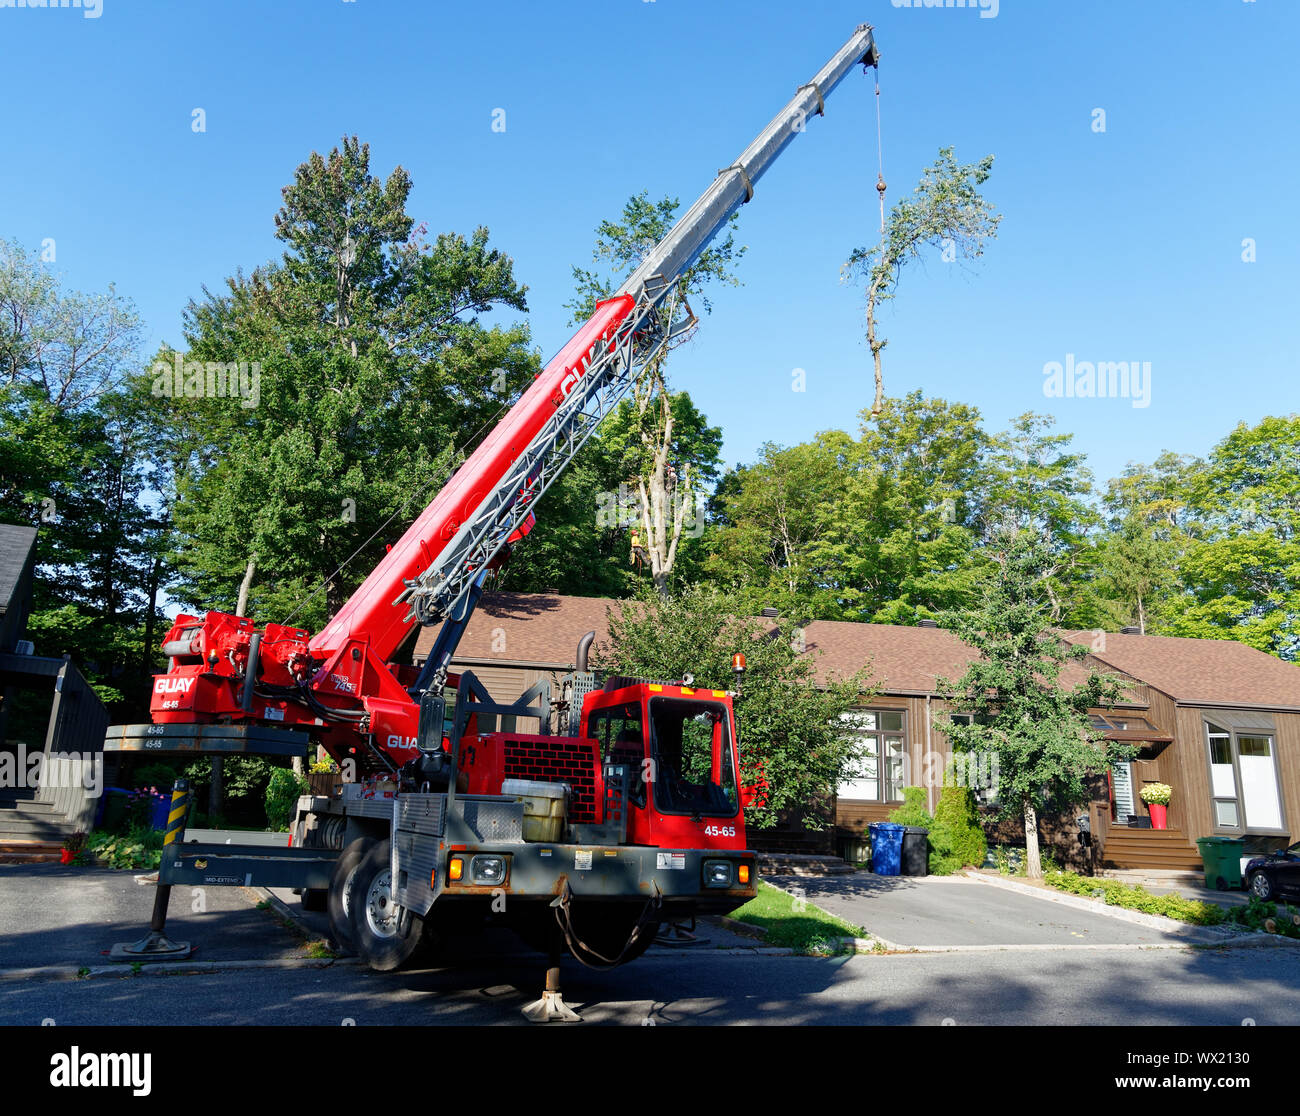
column 693, row 763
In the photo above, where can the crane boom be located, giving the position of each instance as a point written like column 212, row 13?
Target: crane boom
column 567, row 401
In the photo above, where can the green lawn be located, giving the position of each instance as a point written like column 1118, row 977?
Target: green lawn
column 810, row 930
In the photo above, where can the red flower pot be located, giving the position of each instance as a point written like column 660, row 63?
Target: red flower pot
column 1159, row 815
column 65, row 856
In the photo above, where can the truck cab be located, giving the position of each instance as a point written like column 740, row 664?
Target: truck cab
column 679, row 743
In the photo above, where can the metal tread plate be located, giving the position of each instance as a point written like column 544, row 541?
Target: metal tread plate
column 206, row 738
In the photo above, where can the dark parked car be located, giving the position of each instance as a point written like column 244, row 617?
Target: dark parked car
column 1275, row 876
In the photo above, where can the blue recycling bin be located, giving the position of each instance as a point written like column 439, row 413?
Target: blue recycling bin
column 886, row 848
column 161, row 808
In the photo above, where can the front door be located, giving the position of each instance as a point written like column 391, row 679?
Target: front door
column 1121, row 778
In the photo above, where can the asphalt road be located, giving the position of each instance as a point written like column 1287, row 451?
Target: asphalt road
column 1035, row 988
column 52, row 915
column 914, row 911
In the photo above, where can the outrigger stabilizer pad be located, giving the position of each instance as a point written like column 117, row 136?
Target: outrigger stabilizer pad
column 551, row 1008
column 154, row 946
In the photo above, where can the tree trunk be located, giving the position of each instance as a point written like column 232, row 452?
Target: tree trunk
column 1033, row 862
column 150, row 620
column 216, row 792
column 241, row 605
column 878, row 403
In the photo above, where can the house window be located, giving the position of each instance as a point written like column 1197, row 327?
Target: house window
column 973, row 770
column 882, row 757
column 1243, row 779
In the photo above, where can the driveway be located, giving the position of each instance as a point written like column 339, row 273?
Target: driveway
column 948, row 911
column 52, row 915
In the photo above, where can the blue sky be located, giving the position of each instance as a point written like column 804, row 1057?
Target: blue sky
column 1117, row 245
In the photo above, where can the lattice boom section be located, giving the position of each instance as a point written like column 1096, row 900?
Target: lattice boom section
column 557, row 760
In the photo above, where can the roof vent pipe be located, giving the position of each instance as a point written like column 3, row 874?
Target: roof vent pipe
column 1130, row 630
column 927, row 623
column 584, row 645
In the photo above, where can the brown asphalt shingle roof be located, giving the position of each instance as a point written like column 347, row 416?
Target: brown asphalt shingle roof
column 527, row 627
column 1217, row 671
column 544, row 628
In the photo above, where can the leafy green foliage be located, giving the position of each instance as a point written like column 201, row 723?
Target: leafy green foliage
column 72, row 464
column 375, row 372
column 1271, row 918
column 913, row 810
column 140, row 848
column 790, row 732
column 1024, row 714
column 945, row 211
column 282, row 793
column 957, row 835
column 1241, row 565
column 1135, row 898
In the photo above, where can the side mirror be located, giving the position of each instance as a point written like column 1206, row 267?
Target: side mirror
column 433, row 711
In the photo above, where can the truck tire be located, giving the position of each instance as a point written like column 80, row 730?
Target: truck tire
column 339, row 900
column 385, row 936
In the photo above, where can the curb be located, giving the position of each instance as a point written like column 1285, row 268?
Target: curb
column 1201, row 935
column 167, row 968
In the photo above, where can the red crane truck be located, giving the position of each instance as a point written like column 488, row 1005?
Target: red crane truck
column 587, row 840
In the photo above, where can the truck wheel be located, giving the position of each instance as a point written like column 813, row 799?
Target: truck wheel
column 339, row 900
column 385, row 935
column 315, row 899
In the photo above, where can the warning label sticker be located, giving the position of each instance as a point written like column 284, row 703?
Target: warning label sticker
column 672, row 860
column 582, row 859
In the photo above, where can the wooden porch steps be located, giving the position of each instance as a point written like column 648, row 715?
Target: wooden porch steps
column 29, row 852
column 794, row 864
column 1150, row 848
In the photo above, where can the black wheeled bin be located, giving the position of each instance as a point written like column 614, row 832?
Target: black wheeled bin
column 916, row 851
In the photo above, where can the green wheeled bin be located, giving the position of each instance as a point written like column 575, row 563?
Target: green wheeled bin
column 1222, row 859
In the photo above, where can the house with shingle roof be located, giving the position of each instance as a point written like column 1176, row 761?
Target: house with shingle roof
column 1216, row 720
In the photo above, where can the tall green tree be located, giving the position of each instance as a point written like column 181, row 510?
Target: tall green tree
column 1241, row 567
column 1039, row 484
column 70, row 454
column 669, row 486
column 901, row 537
column 375, row 374
column 772, row 516
column 1026, row 718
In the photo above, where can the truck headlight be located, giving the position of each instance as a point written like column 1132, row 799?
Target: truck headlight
column 717, row 873
column 487, row 870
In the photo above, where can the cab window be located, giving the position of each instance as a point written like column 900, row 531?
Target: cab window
column 693, row 762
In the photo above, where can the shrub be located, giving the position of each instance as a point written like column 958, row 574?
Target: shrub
column 282, row 794
column 957, row 834
column 1259, row 914
column 1135, row 898
column 141, row 847
column 912, row 811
